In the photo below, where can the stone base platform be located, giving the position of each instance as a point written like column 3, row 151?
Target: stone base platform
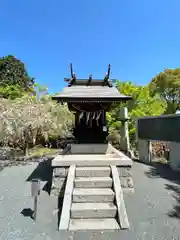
column 91, row 160
column 101, row 155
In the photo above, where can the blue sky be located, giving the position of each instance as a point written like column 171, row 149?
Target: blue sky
column 139, row 38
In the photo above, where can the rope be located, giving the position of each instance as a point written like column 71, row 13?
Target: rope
column 81, row 110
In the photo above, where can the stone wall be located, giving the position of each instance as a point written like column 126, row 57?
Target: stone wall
column 125, row 174
column 145, row 153
column 59, row 181
column 60, row 177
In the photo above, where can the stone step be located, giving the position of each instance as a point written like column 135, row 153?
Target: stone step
column 93, row 195
column 93, row 224
column 93, row 210
column 93, row 171
column 93, row 182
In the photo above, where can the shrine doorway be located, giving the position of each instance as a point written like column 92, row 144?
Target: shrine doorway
column 90, row 132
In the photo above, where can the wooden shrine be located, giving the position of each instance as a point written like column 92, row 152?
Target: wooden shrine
column 90, row 99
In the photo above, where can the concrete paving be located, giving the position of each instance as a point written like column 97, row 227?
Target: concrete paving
column 152, row 209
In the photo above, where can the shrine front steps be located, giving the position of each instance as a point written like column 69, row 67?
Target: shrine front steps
column 93, row 200
column 91, row 182
column 93, row 171
column 91, row 160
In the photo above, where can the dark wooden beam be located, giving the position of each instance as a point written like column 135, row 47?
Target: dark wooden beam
column 84, row 82
column 106, row 78
column 92, row 99
column 101, row 82
column 66, row 79
column 90, row 80
column 109, row 69
column 71, row 70
column 73, row 76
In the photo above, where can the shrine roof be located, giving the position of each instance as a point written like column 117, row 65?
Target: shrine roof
column 94, row 92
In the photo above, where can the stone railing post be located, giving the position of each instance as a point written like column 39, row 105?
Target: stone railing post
column 174, row 155
column 124, row 132
column 144, row 148
column 145, row 151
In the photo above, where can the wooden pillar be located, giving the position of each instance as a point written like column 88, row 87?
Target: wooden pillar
column 104, row 127
column 76, row 119
column 104, row 118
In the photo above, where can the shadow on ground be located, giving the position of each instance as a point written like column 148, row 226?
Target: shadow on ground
column 60, row 202
column 43, row 172
column 163, row 170
column 27, row 212
column 175, row 213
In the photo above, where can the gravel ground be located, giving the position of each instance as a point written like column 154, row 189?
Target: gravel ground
column 152, row 209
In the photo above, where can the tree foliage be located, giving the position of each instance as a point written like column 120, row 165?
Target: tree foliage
column 13, row 74
column 11, row 91
column 142, row 104
column 27, row 119
column 167, row 85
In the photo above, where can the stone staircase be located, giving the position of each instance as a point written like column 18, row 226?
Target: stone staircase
column 93, row 200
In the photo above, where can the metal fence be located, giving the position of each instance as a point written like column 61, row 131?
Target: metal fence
column 160, row 128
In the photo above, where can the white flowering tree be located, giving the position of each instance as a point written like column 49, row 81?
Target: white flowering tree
column 25, row 120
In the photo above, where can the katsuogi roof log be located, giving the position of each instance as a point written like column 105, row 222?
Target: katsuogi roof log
column 90, row 90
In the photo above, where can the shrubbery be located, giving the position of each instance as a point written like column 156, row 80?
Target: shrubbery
column 28, row 121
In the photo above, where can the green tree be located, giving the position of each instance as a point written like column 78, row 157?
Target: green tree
column 14, row 73
column 142, row 104
column 167, row 85
column 11, row 91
